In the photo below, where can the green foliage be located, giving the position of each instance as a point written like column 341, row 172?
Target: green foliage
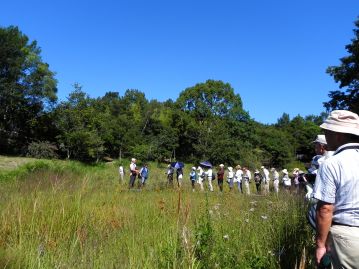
column 212, row 99
column 42, row 150
column 27, row 90
column 347, row 76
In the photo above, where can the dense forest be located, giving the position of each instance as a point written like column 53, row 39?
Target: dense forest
column 206, row 121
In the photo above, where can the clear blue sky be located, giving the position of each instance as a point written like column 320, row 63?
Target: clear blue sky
column 273, row 53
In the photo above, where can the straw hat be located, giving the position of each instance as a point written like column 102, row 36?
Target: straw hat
column 238, row 167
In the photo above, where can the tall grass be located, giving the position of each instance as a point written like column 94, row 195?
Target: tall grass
column 68, row 215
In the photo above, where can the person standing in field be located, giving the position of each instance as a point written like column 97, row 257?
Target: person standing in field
column 220, row 177
column 266, row 179
column 286, row 180
column 230, row 178
column 144, row 174
column 245, row 180
column 275, row 175
column 258, row 180
column 209, row 174
column 179, row 176
column 193, row 177
column 201, row 177
column 133, row 173
column 295, row 175
column 238, row 177
column 121, row 173
column 337, row 191
column 170, row 172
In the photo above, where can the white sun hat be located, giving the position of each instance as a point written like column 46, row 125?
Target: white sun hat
column 320, row 139
column 342, row 121
column 285, row 171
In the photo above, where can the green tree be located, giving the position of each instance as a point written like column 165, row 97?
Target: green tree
column 27, row 90
column 212, row 98
column 347, row 74
column 80, row 127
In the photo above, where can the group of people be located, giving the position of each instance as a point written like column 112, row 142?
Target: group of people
column 142, row 174
column 240, row 177
column 332, row 184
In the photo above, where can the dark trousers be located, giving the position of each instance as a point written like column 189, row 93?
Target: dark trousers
column 258, row 186
column 220, row 184
column 132, row 181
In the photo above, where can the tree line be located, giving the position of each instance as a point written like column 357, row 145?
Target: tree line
column 206, row 121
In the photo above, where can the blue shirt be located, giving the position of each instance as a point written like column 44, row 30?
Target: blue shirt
column 337, row 183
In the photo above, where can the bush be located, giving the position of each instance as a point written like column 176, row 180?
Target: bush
column 42, row 150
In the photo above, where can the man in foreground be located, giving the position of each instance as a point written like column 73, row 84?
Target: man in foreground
column 337, row 189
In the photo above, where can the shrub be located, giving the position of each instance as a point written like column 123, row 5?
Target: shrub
column 42, row 150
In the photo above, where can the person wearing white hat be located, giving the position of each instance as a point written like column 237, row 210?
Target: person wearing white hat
column 238, row 178
column 258, row 180
column 286, row 180
column 245, row 180
column 230, row 178
column 295, row 175
column 201, row 177
column 322, row 153
column 193, row 177
column 133, row 173
column 209, row 174
column 220, row 177
column 275, row 180
column 266, row 179
column 169, row 173
column 337, row 190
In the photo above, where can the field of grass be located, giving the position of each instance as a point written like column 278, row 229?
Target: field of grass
column 57, row 214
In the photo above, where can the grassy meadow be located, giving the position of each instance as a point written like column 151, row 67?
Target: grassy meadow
column 58, row 214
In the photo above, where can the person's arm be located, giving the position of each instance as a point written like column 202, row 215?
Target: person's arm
column 323, row 221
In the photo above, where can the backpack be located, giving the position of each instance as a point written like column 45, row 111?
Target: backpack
column 213, row 176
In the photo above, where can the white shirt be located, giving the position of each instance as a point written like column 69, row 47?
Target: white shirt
column 337, row 183
column 266, row 176
column 238, row 176
column 120, row 169
column 132, row 166
column 275, row 175
column 286, row 181
column 209, row 173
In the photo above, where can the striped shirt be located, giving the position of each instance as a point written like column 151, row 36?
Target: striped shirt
column 337, row 183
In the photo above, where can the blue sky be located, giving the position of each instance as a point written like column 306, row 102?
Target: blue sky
column 273, row 53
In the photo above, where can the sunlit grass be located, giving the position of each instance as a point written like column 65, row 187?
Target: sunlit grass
column 68, row 215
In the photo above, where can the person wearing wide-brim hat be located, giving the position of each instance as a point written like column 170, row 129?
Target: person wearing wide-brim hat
column 201, row 177
column 266, row 179
column 238, row 178
column 286, row 180
column 230, row 177
column 193, row 177
column 337, row 190
column 322, row 153
column 220, row 177
column 258, row 180
column 133, row 173
column 275, row 180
